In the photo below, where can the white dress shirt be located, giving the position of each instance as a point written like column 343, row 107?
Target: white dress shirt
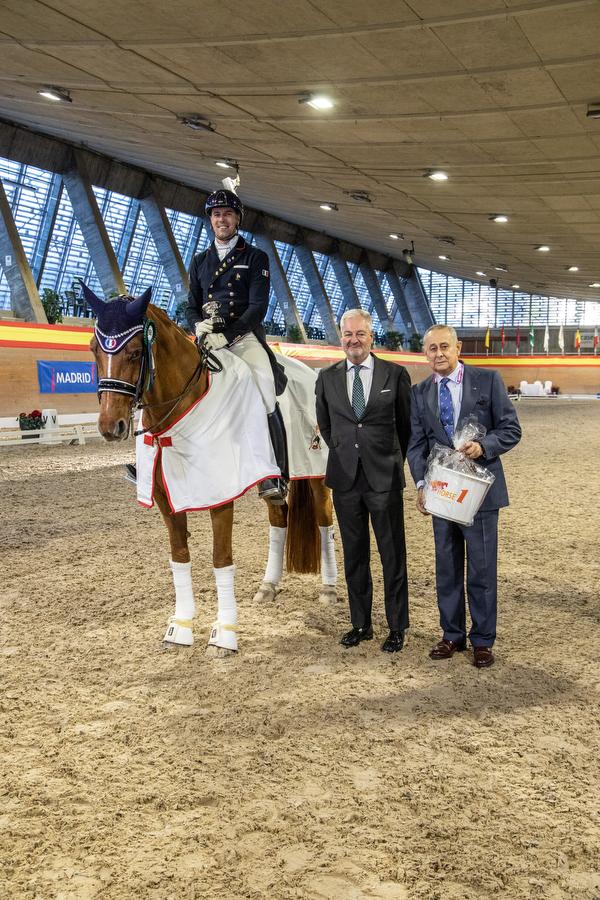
column 366, row 376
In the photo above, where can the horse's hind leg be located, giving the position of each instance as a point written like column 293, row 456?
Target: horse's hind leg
column 277, row 536
column 324, row 515
column 179, row 629
column 223, row 636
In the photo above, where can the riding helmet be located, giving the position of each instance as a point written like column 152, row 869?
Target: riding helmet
column 221, row 199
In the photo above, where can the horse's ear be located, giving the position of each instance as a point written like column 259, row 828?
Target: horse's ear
column 136, row 309
column 95, row 302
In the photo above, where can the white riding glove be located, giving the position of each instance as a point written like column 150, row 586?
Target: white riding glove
column 215, row 341
column 204, row 327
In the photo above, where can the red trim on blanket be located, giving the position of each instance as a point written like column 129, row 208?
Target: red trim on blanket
column 214, row 505
column 189, row 409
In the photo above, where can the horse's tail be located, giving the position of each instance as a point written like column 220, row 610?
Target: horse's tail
column 303, row 546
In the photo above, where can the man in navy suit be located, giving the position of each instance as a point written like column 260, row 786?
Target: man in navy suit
column 363, row 411
column 439, row 405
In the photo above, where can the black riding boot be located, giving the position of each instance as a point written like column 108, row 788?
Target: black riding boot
column 275, row 489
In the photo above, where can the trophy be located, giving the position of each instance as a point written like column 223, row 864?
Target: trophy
column 210, row 312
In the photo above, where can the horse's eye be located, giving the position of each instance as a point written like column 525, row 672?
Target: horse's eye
column 135, row 355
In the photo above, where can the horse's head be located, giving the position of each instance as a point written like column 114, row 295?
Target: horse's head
column 120, row 345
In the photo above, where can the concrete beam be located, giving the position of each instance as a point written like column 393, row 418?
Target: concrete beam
column 376, row 294
column 89, row 219
column 416, row 298
column 280, row 284
column 344, row 279
column 24, row 298
column 166, row 245
column 403, row 315
column 317, row 289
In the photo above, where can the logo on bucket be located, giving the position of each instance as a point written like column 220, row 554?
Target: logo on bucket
column 439, row 488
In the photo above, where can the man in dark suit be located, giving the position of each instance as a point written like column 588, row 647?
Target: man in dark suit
column 439, row 405
column 363, row 411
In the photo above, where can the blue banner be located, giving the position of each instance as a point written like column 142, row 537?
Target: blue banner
column 67, row 377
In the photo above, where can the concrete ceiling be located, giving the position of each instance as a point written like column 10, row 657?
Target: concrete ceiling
column 494, row 93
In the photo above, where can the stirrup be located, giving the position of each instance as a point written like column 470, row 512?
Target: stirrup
column 224, row 636
column 179, row 631
column 274, row 490
column 130, row 473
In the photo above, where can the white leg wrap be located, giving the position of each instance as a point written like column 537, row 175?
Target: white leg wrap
column 179, row 629
column 274, row 570
column 185, row 605
column 224, row 630
column 328, row 560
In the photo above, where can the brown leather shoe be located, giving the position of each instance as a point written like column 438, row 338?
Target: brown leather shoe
column 445, row 649
column 483, row 657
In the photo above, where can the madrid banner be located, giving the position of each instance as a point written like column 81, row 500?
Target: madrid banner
column 56, row 377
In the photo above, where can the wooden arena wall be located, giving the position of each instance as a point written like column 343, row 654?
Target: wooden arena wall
column 21, row 345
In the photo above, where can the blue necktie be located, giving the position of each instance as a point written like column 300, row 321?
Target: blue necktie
column 446, row 409
column 358, row 394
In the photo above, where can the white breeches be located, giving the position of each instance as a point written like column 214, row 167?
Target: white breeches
column 255, row 356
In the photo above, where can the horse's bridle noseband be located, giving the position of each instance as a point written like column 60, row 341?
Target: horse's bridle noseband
column 147, row 373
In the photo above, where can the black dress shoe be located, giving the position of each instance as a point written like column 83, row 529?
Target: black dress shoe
column 356, row 635
column 130, row 473
column 394, row 642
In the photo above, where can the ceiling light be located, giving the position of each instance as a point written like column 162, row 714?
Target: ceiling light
column 593, row 112
column 483, row 274
column 437, row 176
column 515, row 287
column 501, row 268
column 396, row 237
column 543, row 248
column 361, row 196
column 441, row 256
column 330, row 207
column 196, row 123
column 57, row 94
column 227, row 163
column 595, row 284
column 573, row 269
column 317, row 101
column 499, row 218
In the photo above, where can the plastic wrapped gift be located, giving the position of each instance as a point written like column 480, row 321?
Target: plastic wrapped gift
column 455, row 486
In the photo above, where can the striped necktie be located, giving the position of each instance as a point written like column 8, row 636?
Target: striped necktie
column 446, row 409
column 358, row 394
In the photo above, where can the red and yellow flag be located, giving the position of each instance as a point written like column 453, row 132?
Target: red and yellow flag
column 577, row 339
column 487, row 339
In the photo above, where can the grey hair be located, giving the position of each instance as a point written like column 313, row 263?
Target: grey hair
column 357, row 312
column 438, row 327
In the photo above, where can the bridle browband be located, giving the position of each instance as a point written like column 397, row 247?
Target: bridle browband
column 114, row 344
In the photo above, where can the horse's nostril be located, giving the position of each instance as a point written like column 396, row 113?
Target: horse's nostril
column 121, row 427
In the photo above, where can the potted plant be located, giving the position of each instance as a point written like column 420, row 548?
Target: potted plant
column 52, row 306
column 30, row 422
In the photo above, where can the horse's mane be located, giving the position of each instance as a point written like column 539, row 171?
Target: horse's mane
column 161, row 316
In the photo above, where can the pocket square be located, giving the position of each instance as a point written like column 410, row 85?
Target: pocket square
column 385, row 391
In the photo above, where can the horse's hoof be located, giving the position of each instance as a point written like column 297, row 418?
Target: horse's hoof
column 179, row 631
column 266, row 593
column 328, row 595
column 223, row 637
column 215, row 652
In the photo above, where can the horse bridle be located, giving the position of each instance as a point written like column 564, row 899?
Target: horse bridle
column 147, row 374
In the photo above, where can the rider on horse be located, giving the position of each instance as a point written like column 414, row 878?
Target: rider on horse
column 227, row 302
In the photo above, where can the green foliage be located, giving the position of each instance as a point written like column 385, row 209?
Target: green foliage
column 52, row 306
column 416, row 342
column 294, row 335
column 393, row 340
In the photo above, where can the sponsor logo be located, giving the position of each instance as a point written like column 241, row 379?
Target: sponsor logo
column 440, row 488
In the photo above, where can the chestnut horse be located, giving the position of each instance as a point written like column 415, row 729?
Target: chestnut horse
column 146, row 361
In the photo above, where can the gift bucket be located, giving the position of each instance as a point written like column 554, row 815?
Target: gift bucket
column 454, row 495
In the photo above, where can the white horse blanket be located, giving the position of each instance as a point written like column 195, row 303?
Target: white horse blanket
column 221, row 447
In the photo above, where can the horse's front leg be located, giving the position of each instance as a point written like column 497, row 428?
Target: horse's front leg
column 223, row 636
column 277, row 536
column 179, row 629
column 324, row 514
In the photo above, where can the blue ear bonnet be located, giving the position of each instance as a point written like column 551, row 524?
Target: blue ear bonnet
column 117, row 320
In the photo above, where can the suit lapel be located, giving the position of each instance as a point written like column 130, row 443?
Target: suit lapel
column 380, row 377
column 470, row 393
column 433, row 406
column 341, row 385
